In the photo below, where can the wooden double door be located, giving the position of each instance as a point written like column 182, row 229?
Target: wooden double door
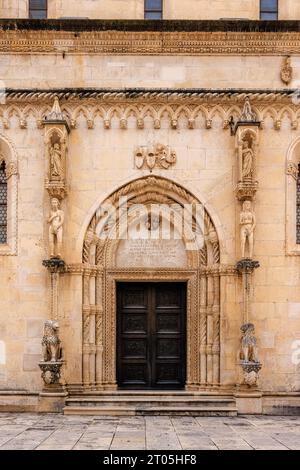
column 151, row 335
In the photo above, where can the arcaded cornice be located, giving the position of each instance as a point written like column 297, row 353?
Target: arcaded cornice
column 208, row 105
column 171, row 95
column 150, row 37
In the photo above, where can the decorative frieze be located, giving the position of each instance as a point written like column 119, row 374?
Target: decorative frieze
column 188, row 108
column 129, row 42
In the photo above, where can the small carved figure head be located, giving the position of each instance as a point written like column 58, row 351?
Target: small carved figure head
column 55, row 204
column 247, row 328
column 56, row 146
column 247, row 205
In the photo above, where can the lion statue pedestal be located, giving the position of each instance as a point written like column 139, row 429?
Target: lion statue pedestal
column 52, row 398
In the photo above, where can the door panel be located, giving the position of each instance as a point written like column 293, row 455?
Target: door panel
column 151, row 335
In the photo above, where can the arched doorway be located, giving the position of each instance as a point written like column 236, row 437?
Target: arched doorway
column 109, row 259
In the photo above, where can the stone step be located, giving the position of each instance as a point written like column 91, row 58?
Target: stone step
column 154, row 410
column 149, row 401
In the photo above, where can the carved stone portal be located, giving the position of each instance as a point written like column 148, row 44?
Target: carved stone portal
column 103, row 266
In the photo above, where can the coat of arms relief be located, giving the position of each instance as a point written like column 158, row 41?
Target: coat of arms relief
column 157, row 156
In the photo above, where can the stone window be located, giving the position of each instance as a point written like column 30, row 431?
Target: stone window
column 153, row 9
column 269, row 9
column 37, row 9
column 3, row 204
column 298, row 208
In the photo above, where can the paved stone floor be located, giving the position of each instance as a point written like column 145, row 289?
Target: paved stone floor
column 48, row 431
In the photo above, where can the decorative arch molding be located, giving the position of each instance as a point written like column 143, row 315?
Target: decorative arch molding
column 190, row 189
column 9, row 156
column 100, row 274
column 292, row 162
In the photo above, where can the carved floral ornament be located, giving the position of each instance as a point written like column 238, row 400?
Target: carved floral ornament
column 150, row 42
column 292, row 169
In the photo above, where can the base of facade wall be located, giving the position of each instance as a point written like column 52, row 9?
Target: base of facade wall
column 281, row 404
column 51, row 402
column 19, row 401
column 252, row 403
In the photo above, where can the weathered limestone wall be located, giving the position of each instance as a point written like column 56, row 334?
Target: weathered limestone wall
column 13, row 8
column 100, row 160
column 58, row 70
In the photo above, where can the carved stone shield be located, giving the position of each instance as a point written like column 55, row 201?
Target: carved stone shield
column 139, row 158
column 151, row 159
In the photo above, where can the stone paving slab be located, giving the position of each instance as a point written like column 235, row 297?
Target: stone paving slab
column 53, row 431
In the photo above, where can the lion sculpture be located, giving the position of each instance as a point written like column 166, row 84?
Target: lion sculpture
column 51, row 342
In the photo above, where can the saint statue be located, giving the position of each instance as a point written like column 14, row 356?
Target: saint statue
column 56, row 161
column 56, row 220
column 247, row 159
column 248, row 224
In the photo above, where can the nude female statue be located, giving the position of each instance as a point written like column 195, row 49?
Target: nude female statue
column 248, row 224
column 56, row 220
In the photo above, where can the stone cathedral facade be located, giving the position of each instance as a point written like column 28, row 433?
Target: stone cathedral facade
column 150, row 206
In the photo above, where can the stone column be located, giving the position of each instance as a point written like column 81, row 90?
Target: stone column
column 246, row 131
column 216, row 330
column 99, row 328
column 86, row 328
column 203, row 328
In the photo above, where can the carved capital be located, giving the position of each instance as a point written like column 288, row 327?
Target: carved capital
column 247, row 265
column 11, row 169
column 55, row 265
column 292, row 170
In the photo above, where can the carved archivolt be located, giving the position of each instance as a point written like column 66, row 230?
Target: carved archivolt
column 100, row 274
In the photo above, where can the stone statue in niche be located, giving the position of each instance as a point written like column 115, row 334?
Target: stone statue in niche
column 248, row 224
column 247, row 161
column 248, row 343
column 286, row 73
column 55, row 221
column 51, row 342
column 56, row 169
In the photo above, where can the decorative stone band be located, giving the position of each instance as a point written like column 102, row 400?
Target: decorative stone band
column 140, row 38
column 189, row 104
column 84, row 268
